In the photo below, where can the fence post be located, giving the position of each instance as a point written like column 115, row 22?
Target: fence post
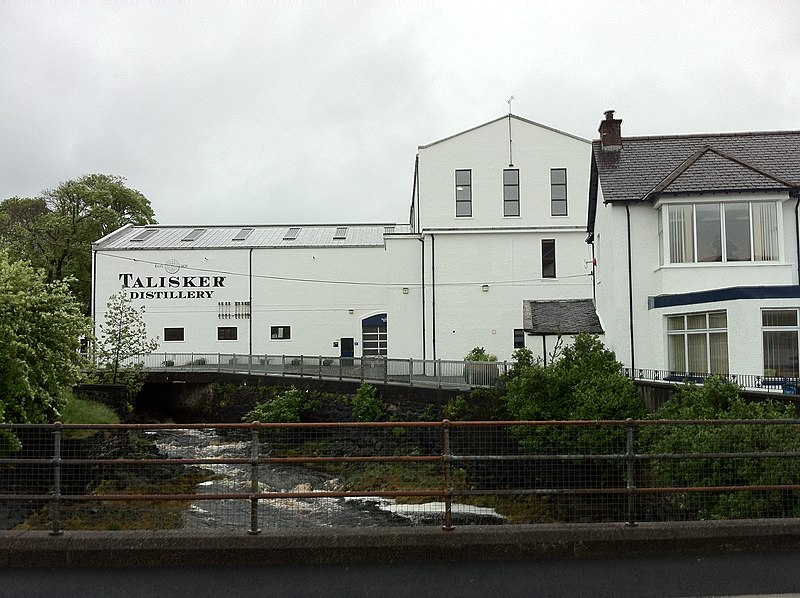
column 254, row 529
column 55, row 501
column 385, row 369
column 320, row 367
column 630, row 463
column 411, row 371
column 302, row 360
column 438, row 369
column 446, row 456
column 361, row 366
column 340, row 367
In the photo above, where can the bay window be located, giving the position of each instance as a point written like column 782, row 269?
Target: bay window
column 721, row 232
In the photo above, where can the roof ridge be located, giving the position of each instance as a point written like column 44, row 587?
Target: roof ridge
column 707, row 135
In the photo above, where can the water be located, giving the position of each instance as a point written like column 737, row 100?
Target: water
column 288, row 512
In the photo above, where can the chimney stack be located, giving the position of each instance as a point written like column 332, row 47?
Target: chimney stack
column 610, row 132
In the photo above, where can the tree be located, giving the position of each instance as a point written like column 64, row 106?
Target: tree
column 721, row 399
column 55, row 231
column 122, row 342
column 40, row 329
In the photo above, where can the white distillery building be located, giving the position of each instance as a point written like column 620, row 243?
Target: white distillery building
column 493, row 255
column 697, row 250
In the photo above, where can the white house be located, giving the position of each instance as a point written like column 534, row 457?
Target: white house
column 495, row 235
column 697, row 249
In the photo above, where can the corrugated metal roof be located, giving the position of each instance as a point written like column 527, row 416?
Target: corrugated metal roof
column 645, row 163
column 218, row 237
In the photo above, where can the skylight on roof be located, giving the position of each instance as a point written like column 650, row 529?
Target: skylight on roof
column 291, row 234
column 194, row 235
column 243, row 234
column 341, row 233
column 145, row 234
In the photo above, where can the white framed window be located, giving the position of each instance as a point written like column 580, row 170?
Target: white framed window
column 463, row 193
column 558, row 191
column 720, row 232
column 781, row 342
column 511, row 192
column 280, row 333
column 698, row 342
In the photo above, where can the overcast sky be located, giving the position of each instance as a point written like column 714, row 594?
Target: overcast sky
column 311, row 111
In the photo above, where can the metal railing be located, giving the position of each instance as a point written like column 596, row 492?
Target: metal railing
column 248, row 476
column 439, row 373
column 781, row 384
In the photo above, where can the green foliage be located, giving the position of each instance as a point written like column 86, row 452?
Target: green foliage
column 482, row 404
column 721, row 399
column 82, row 411
column 55, row 230
column 584, row 382
column 367, row 405
column 288, row 407
column 40, row 328
column 122, row 342
column 479, row 354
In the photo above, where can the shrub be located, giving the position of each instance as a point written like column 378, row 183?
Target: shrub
column 479, row 354
column 367, row 405
column 289, row 407
column 721, row 399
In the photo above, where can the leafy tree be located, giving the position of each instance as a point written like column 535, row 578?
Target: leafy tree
column 584, row 382
column 367, row 405
column 122, row 342
column 479, row 354
column 55, row 231
column 721, row 399
column 40, row 329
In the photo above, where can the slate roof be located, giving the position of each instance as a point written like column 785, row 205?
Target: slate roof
column 560, row 316
column 646, row 166
column 259, row 236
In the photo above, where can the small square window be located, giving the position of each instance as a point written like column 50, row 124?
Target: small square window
column 280, row 332
column 227, row 333
column 173, row 334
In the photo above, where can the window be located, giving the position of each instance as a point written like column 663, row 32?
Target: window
column 340, row 233
column 463, row 193
column 510, row 192
column 374, row 340
column 722, row 232
column 780, row 340
column 173, row 334
column 237, row 310
column 558, row 191
column 548, row 258
column 281, row 333
column 698, row 343
column 519, row 338
column 145, row 234
column 292, row 233
column 243, row 234
column 194, row 234
column 227, row 333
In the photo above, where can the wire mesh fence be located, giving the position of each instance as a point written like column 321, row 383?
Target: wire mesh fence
column 253, row 477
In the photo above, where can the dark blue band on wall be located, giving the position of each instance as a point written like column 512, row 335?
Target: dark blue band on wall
column 728, row 294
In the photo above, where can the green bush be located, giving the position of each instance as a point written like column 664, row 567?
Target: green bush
column 479, row 354
column 288, row 407
column 721, row 399
column 367, row 405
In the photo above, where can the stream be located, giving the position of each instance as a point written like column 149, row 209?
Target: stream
column 289, row 513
